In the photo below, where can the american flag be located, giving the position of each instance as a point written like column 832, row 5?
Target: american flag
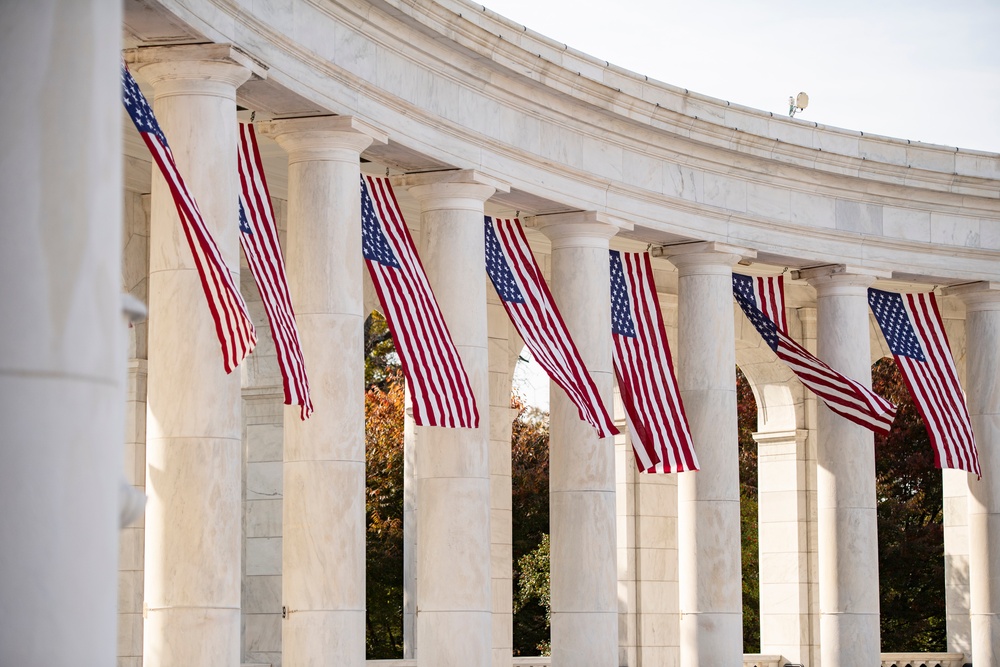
column 439, row 388
column 232, row 321
column 259, row 239
column 911, row 324
column 763, row 301
column 658, row 426
column 529, row 304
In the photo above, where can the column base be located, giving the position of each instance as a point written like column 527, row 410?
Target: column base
column 329, row 638
column 192, row 637
column 584, row 639
column 850, row 639
column 712, row 639
column 460, row 638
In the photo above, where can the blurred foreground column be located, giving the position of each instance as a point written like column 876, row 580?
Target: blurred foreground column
column 62, row 336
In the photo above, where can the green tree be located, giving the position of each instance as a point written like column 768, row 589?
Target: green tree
column 746, row 418
column 533, row 592
column 530, row 504
column 910, row 532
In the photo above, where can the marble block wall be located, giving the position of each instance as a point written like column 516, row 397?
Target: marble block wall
column 263, row 414
column 135, row 281
column 503, row 353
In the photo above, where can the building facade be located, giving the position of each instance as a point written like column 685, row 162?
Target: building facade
column 251, row 547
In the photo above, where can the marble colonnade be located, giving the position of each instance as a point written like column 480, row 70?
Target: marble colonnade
column 70, row 237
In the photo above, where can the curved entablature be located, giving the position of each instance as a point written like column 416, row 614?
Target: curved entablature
column 457, row 86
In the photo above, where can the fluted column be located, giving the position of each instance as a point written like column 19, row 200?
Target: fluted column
column 323, row 517
column 708, row 525
column 62, row 335
column 845, row 485
column 193, row 436
column 582, row 513
column 982, row 386
column 454, row 602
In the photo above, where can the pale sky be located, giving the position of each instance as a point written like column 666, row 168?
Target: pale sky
column 924, row 70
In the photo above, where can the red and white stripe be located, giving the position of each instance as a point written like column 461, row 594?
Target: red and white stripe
column 439, row 387
column 935, row 388
column 263, row 255
column 543, row 330
column 770, row 293
column 658, row 425
column 846, row 397
column 233, row 326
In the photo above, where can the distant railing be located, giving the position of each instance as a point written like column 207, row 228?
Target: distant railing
column 923, row 659
column 758, row 660
column 750, row 660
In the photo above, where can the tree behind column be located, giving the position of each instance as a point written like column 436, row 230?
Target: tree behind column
column 910, row 525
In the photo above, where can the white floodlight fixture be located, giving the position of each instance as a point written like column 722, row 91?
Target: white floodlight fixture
column 797, row 103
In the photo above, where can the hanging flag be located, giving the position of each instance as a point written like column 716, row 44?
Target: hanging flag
column 763, row 302
column 529, row 304
column 259, row 238
column 658, row 425
column 912, row 326
column 439, row 388
column 232, row 321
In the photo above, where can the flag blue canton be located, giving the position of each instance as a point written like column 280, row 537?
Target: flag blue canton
column 743, row 290
column 374, row 245
column 895, row 324
column 137, row 107
column 498, row 269
column 244, row 223
column 621, row 312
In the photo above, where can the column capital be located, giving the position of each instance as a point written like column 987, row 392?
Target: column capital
column 983, row 295
column 704, row 257
column 579, row 229
column 336, row 138
column 194, row 68
column 456, row 189
column 840, row 279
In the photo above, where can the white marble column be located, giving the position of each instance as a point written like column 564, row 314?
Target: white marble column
column 323, row 518
column 454, row 607
column 848, row 530
column 710, row 575
column 62, row 335
column 582, row 513
column 982, row 387
column 193, row 437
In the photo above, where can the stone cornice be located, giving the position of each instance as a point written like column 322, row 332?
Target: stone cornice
column 951, row 235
